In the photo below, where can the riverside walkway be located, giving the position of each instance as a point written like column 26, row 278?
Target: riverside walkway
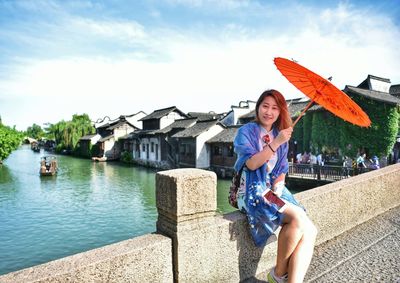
column 370, row 252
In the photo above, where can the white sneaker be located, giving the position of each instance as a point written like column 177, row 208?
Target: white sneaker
column 272, row 278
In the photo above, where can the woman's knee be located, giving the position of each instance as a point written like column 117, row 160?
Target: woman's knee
column 296, row 220
column 311, row 230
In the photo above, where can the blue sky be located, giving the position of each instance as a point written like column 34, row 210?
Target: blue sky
column 58, row 58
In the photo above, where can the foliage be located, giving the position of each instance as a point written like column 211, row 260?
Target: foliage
column 126, row 157
column 378, row 139
column 330, row 133
column 307, row 123
column 324, row 132
column 298, row 135
column 35, row 131
column 68, row 133
column 10, row 139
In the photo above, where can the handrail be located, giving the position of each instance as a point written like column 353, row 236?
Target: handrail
column 324, row 172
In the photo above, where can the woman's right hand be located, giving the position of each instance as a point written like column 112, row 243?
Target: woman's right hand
column 283, row 136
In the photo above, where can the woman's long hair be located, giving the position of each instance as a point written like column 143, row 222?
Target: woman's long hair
column 284, row 121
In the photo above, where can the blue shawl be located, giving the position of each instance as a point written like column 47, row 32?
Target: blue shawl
column 263, row 219
column 247, row 144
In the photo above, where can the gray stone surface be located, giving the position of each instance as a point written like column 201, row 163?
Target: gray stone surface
column 340, row 206
column 142, row 259
column 184, row 194
column 370, row 252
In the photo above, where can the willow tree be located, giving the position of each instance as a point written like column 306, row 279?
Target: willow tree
column 68, row 133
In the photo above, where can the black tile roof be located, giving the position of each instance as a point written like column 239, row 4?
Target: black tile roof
column 365, row 83
column 178, row 124
column 126, row 137
column 372, row 94
column 106, row 138
column 295, row 106
column 202, row 116
column 87, row 137
column 143, row 133
column 395, row 90
column 119, row 124
column 197, row 129
column 226, row 136
column 158, row 114
column 251, row 114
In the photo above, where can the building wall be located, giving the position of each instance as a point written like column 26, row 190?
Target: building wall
column 169, row 119
column 111, row 150
column 154, row 152
column 123, row 131
column 203, row 149
column 185, row 159
column 379, row 85
column 134, row 119
column 239, row 111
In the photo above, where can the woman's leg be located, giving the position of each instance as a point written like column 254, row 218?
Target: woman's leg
column 289, row 236
column 295, row 244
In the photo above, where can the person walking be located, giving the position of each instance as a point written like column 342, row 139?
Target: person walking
column 361, row 162
column 262, row 148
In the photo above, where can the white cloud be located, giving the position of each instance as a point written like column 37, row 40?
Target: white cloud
column 122, row 30
column 198, row 72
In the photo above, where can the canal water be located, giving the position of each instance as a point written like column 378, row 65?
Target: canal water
column 87, row 205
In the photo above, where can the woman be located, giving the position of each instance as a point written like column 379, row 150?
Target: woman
column 262, row 148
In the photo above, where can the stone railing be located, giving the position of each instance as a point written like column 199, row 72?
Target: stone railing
column 195, row 244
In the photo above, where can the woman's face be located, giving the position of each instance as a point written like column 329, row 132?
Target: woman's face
column 268, row 112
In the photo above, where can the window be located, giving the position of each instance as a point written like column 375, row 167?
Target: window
column 231, row 152
column 217, row 150
column 152, row 147
column 156, row 151
column 143, row 147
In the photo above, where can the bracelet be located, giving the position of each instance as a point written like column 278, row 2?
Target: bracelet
column 270, row 147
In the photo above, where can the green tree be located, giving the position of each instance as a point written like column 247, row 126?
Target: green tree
column 35, row 131
column 10, row 139
column 68, row 133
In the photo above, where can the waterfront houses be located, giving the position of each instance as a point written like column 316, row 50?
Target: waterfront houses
column 150, row 146
column 237, row 111
column 85, row 144
column 222, row 155
column 193, row 149
column 108, row 148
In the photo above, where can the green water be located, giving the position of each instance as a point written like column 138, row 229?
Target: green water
column 87, row 205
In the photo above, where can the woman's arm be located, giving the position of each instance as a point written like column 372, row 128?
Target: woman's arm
column 258, row 159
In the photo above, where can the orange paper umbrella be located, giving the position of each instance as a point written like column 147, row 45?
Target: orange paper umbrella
column 323, row 92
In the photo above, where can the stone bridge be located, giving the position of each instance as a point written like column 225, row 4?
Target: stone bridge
column 358, row 240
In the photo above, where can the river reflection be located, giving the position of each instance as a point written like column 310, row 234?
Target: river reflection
column 87, row 205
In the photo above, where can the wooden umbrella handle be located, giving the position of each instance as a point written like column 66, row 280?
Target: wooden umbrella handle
column 311, row 103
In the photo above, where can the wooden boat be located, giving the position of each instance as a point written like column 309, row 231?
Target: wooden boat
column 35, row 146
column 48, row 165
column 99, row 159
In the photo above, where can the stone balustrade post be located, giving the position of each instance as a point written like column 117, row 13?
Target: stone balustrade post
column 186, row 202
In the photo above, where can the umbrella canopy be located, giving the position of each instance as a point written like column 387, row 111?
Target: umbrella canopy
column 323, row 92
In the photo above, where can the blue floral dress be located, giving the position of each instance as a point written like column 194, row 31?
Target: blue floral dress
column 263, row 218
